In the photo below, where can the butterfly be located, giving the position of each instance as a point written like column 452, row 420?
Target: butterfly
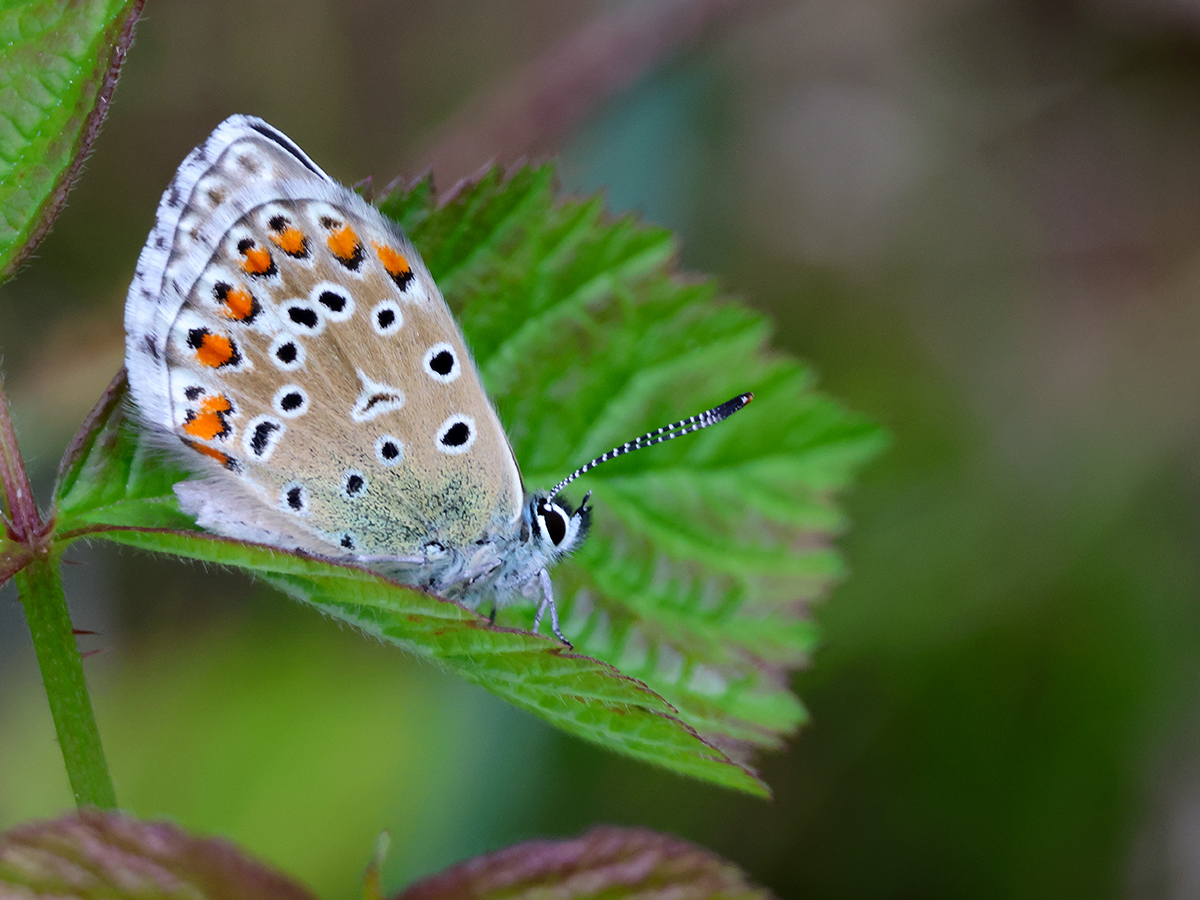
column 287, row 343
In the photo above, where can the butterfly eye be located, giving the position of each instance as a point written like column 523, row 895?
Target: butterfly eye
column 553, row 520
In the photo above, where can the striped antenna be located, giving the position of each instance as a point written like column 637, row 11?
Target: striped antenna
column 666, row 433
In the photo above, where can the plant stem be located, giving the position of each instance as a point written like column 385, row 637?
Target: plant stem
column 40, row 586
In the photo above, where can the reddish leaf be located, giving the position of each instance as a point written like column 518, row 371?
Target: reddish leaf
column 607, row 862
column 109, row 855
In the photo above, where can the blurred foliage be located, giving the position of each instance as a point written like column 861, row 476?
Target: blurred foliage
column 298, row 740
column 977, row 221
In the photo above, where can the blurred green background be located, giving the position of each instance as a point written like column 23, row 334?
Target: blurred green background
column 981, row 222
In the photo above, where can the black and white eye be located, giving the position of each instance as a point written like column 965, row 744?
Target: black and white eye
column 290, row 401
column 302, row 316
column 294, row 498
column 441, row 363
column 335, row 301
column 552, row 519
column 386, row 318
column 457, row 435
column 354, row 484
column 287, row 353
column 262, row 436
column 389, row 450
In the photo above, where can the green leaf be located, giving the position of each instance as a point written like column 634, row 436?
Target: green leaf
column 113, row 486
column 58, row 66
column 609, row 863
column 689, row 596
column 704, row 551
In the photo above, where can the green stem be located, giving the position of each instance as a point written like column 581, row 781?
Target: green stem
column 40, row 585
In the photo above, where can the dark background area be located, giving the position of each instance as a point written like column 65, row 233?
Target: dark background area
column 979, row 220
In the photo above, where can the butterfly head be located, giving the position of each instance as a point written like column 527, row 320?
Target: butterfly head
column 554, row 528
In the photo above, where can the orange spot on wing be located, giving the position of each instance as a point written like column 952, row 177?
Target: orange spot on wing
column 205, row 426
column 291, row 241
column 392, row 260
column 239, row 305
column 344, row 243
column 223, row 458
column 215, row 350
column 257, row 260
column 209, row 422
column 218, row 403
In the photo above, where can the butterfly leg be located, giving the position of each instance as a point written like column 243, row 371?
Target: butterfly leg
column 548, row 604
column 492, row 614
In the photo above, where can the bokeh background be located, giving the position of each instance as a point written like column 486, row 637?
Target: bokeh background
column 979, row 220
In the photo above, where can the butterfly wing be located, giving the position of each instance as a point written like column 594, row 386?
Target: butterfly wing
column 293, row 345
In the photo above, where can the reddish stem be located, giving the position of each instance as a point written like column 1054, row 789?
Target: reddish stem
column 24, row 521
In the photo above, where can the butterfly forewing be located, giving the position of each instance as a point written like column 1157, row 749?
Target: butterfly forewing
column 311, row 364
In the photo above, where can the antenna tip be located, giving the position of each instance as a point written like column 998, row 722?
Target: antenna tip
column 729, row 407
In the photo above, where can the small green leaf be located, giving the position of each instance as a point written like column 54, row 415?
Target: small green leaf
column 109, row 856
column 108, row 478
column 58, row 66
column 689, row 596
column 609, row 863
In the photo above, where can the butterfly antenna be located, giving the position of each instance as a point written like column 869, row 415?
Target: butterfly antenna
column 659, row 435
